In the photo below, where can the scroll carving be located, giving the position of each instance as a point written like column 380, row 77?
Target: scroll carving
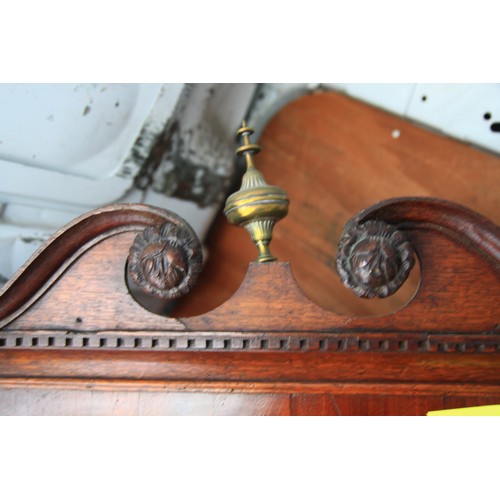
column 164, row 263
column 374, row 259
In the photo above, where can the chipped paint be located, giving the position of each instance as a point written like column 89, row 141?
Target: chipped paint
column 194, row 160
column 198, row 174
column 181, row 178
column 150, row 137
column 142, row 154
column 181, row 149
column 31, row 239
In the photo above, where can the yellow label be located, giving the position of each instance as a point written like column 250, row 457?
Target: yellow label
column 485, row 411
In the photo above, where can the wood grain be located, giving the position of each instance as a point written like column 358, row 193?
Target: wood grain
column 66, row 247
column 166, row 401
column 40, row 402
column 336, row 156
column 74, row 341
column 449, row 300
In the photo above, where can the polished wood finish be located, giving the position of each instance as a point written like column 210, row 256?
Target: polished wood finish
column 336, row 156
column 73, row 340
column 65, row 248
column 87, row 333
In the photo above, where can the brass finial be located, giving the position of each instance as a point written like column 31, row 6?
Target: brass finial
column 257, row 206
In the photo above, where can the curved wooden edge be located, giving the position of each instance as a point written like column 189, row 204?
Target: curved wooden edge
column 455, row 247
column 471, row 229
column 269, row 298
column 65, row 246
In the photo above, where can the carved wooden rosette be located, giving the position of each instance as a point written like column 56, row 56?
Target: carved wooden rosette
column 71, row 334
column 163, row 264
column 374, row 259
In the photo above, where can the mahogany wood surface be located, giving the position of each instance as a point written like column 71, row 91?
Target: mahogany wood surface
column 335, row 156
column 74, row 341
column 167, row 403
column 268, row 337
column 269, row 299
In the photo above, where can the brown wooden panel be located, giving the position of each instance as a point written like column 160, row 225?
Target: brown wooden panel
column 335, row 156
column 42, row 402
column 381, row 404
column 71, row 302
column 313, row 405
column 410, row 405
column 121, row 397
column 75, row 342
column 298, row 367
column 451, row 401
column 361, row 405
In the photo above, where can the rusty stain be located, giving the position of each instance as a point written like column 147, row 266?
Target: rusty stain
column 28, row 240
column 190, row 163
column 86, row 110
column 186, row 179
column 147, row 154
column 192, row 182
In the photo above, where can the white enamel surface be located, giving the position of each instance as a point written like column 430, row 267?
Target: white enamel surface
column 80, row 129
column 459, row 110
column 66, row 149
column 454, row 109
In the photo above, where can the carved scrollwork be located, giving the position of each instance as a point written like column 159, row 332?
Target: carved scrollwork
column 164, row 262
column 374, row 259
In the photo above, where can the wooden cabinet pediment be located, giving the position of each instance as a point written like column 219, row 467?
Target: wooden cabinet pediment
column 70, row 327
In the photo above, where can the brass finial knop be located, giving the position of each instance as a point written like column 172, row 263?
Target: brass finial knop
column 257, row 206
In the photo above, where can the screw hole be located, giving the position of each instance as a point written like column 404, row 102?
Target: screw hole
column 495, row 127
column 424, row 98
column 487, row 116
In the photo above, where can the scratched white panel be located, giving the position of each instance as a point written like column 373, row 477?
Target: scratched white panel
column 68, row 148
column 79, row 129
column 464, row 111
